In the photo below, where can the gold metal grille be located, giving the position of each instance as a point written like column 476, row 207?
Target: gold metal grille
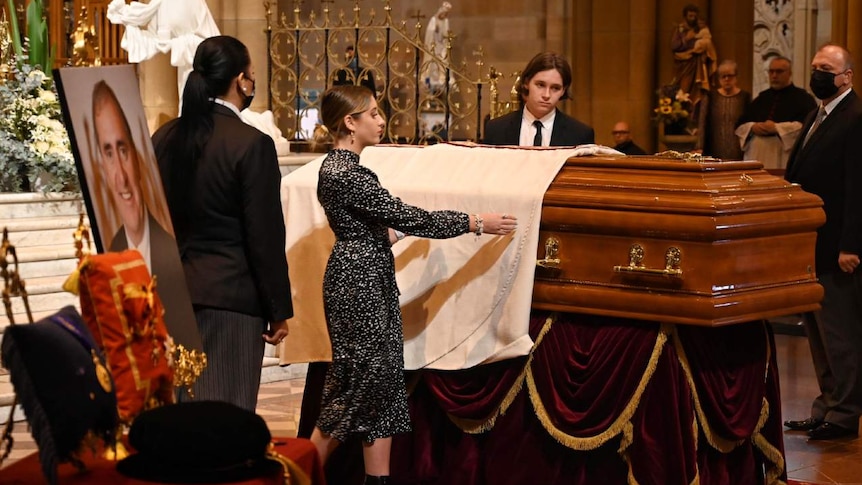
column 306, row 55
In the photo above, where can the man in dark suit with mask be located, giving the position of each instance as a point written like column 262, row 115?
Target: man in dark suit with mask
column 826, row 161
column 544, row 82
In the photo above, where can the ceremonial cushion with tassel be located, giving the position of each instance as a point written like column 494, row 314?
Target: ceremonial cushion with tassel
column 120, row 305
column 60, row 378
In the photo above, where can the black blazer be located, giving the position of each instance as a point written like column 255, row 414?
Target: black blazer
column 232, row 246
column 830, row 166
column 170, row 283
column 506, row 130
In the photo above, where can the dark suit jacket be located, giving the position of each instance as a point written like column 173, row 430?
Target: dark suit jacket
column 506, row 130
column 629, row 148
column 170, row 283
column 232, row 245
column 830, row 166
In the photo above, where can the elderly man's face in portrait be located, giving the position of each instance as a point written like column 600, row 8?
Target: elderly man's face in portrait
column 118, row 161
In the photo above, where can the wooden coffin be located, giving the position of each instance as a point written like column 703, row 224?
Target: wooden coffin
column 689, row 241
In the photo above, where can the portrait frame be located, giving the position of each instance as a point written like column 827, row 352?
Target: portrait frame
column 75, row 87
column 131, row 189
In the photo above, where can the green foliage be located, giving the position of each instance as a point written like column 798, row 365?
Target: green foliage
column 39, row 50
column 16, row 33
column 34, row 145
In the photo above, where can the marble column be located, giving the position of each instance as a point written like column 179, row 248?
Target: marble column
column 614, row 57
column 620, row 53
column 158, row 84
column 246, row 20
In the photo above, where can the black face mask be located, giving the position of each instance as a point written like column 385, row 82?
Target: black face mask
column 248, row 97
column 822, row 84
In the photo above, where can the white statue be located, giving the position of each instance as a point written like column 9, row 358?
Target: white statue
column 434, row 73
column 175, row 26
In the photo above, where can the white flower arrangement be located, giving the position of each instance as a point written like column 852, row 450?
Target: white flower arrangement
column 34, row 146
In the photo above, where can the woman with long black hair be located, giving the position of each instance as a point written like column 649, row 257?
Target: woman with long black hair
column 222, row 180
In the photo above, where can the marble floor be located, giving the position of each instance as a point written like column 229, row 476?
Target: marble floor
column 826, row 462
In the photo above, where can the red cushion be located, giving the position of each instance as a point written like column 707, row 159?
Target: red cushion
column 123, row 311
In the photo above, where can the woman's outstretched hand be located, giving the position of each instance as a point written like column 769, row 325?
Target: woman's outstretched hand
column 499, row 224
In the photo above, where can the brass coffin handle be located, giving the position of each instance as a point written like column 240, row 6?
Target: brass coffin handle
column 672, row 260
column 552, row 250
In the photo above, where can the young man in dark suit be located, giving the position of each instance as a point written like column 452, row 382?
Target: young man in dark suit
column 826, row 161
column 544, row 82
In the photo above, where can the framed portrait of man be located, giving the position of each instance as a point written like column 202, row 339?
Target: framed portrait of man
column 120, row 181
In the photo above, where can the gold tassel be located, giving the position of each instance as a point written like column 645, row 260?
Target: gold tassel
column 72, row 283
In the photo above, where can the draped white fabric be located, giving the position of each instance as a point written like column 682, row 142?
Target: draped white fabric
column 163, row 26
column 466, row 300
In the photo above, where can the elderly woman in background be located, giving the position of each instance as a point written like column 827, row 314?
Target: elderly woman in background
column 725, row 108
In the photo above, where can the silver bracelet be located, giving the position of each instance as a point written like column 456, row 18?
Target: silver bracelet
column 480, row 225
column 399, row 235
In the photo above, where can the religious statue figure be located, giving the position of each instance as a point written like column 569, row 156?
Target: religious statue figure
column 436, row 37
column 694, row 55
column 175, row 26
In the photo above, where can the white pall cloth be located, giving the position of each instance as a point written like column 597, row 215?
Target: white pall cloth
column 175, row 26
column 265, row 122
column 466, row 300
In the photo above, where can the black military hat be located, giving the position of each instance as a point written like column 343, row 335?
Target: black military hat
column 63, row 385
column 199, row 442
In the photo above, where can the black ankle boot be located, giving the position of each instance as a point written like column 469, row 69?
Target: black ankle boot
column 371, row 480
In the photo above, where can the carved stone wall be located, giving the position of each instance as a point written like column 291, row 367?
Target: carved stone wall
column 773, row 36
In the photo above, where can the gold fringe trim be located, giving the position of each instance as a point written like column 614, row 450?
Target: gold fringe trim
column 477, row 426
column 776, row 468
column 619, row 424
column 695, row 434
column 721, row 444
column 769, row 451
column 626, row 441
column 772, row 454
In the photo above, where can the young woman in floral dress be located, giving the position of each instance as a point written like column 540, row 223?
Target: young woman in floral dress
column 364, row 393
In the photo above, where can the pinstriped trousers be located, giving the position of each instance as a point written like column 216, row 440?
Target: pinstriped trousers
column 234, row 348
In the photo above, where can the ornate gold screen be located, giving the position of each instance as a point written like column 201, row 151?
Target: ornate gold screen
column 307, row 54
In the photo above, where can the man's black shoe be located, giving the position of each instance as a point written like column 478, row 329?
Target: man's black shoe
column 829, row 431
column 803, row 425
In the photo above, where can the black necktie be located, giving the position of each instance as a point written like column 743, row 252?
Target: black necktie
column 821, row 115
column 537, row 141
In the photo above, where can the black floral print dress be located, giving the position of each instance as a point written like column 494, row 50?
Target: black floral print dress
column 364, row 393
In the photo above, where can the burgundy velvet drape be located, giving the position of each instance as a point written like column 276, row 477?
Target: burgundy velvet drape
column 597, row 399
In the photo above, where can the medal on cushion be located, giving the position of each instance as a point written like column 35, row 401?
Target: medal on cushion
column 102, row 374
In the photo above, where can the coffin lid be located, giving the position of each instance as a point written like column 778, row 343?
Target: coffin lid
column 671, row 185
